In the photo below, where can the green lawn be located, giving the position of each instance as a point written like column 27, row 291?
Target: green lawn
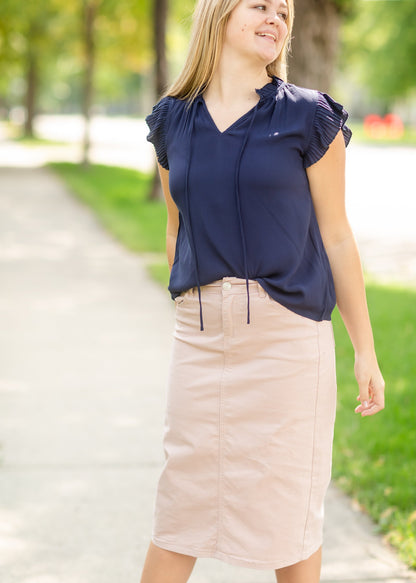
column 359, row 136
column 119, row 198
column 374, row 457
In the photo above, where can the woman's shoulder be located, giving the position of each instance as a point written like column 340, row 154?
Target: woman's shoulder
column 158, row 122
column 160, row 109
column 168, row 102
column 164, row 109
column 165, row 114
column 301, row 96
column 313, row 100
column 323, row 117
column 316, row 115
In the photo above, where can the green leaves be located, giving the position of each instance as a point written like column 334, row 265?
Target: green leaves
column 379, row 47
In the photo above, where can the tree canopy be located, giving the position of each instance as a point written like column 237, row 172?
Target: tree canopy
column 379, row 47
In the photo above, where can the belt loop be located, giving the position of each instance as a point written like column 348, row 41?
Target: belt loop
column 261, row 290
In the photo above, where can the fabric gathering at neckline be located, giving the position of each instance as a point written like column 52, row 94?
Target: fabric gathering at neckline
column 268, row 90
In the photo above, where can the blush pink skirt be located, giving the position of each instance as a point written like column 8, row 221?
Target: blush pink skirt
column 248, row 430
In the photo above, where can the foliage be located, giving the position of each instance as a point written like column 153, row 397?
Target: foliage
column 35, row 31
column 52, row 31
column 160, row 271
column 344, row 6
column 123, row 35
column 379, row 47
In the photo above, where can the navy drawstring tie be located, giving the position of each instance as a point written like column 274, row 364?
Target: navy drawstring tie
column 238, row 201
column 190, row 233
column 193, row 111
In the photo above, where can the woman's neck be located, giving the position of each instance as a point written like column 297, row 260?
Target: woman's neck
column 231, row 82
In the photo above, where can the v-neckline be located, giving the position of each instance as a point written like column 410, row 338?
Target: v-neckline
column 234, row 123
column 268, row 90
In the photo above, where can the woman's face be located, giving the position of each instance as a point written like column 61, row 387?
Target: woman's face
column 258, row 29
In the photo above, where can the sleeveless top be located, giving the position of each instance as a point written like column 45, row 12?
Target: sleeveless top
column 245, row 207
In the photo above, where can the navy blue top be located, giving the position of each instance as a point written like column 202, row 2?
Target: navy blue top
column 245, row 207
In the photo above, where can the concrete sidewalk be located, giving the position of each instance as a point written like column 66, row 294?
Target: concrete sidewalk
column 84, row 352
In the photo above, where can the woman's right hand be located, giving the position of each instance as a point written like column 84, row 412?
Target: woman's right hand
column 371, row 385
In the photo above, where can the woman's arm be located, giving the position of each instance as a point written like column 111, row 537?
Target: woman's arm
column 327, row 184
column 173, row 217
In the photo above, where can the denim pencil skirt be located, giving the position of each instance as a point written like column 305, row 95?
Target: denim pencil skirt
column 248, row 430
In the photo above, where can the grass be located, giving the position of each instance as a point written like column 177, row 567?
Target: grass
column 160, row 272
column 15, row 133
column 33, row 142
column 359, row 135
column 374, row 458
column 119, row 198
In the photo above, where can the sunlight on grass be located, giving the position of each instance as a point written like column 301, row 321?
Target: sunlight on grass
column 374, row 458
column 408, row 138
column 119, row 197
column 160, row 273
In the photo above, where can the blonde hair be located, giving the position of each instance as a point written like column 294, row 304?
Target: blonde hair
column 209, row 24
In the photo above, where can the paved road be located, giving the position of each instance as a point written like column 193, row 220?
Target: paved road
column 84, row 351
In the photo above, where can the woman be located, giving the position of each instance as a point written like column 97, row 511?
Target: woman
column 259, row 247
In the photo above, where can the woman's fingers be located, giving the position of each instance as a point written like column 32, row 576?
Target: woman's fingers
column 371, row 409
column 371, row 385
column 371, row 398
column 363, row 379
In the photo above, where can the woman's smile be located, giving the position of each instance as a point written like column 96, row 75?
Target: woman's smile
column 270, row 36
column 265, row 21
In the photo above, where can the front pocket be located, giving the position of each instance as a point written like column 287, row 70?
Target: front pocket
column 289, row 314
column 179, row 300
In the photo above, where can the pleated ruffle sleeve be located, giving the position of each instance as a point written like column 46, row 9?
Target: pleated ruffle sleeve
column 157, row 122
column 330, row 117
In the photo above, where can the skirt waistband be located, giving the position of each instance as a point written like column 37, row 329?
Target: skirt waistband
column 233, row 285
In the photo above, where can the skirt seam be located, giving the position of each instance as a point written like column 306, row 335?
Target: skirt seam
column 220, row 493
column 314, row 438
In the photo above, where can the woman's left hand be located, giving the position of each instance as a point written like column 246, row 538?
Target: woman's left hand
column 371, row 385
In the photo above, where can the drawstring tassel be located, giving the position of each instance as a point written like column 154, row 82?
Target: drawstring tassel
column 237, row 196
column 248, row 300
column 240, row 218
column 191, row 234
column 200, row 309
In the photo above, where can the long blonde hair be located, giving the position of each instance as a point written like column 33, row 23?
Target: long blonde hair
column 209, row 24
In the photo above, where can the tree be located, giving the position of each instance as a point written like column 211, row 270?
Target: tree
column 89, row 13
column 32, row 74
column 28, row 38
column 315, row 42
column 160, row 17
column 46, row 45
column 161, row 65
column 379, row 47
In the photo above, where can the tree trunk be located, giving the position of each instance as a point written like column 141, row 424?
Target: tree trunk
column 160, row 17
column 314, row 44
column 160, row 24
column 31, row 91
column 90, row 8
column 32, row 77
